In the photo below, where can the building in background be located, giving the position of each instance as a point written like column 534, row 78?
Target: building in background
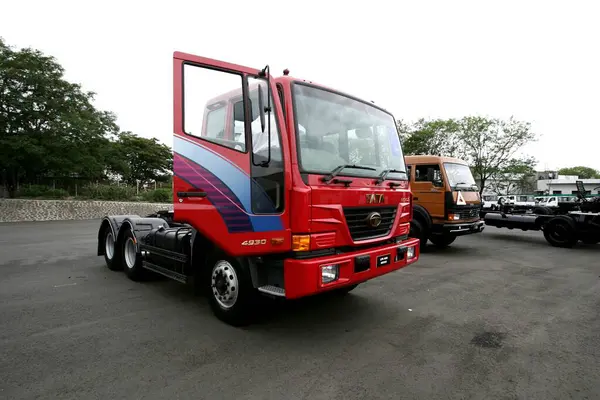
column 550, row 182
column 542, row 183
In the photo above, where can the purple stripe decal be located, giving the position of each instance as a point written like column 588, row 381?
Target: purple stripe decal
column 224, row 200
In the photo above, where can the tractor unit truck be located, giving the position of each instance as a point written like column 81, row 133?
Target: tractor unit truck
column 281, row 187
column 446, row 199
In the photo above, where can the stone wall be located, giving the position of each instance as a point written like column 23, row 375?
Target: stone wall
column 13, row 210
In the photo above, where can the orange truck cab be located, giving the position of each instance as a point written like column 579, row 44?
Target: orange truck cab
column 446, row 200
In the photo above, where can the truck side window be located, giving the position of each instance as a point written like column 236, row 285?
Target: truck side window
column 215, row 123
column 208, row 110
column 428, row 173
column 408, row 171
column 268, row 192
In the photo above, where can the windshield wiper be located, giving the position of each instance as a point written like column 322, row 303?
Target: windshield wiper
column 339, row 169
column 385, row 173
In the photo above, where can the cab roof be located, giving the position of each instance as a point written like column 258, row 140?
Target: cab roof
column 421, row 158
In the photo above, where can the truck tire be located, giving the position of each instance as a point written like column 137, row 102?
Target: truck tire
column 561, row 231
column 109, row 251
column 231, row 295
column 131, row 258
column 420, row 226
column 442, row 241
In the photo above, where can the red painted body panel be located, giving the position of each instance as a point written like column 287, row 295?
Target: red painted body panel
column 303, row 278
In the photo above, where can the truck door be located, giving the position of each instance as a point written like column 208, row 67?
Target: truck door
column 428, row 189
column 226, row 181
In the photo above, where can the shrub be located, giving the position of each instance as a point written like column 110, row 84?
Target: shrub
column 108, row 192
column 41, row 191
column 158, row 196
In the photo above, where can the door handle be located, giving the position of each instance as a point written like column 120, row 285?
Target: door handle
column 191, row 194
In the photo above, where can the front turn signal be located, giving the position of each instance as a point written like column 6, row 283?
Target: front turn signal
column 301, row 242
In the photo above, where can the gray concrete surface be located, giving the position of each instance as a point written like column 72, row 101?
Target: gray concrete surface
column 501, row 315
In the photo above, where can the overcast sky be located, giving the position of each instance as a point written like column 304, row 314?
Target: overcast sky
column 536, row 60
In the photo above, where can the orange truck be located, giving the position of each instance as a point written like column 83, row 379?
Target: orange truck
column 446, row 200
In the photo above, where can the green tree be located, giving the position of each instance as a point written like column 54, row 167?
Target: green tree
column 137, row 158
column 516, row 176
column 48, row 126
column 581, row 172
column 439, row 137
column 491, row 145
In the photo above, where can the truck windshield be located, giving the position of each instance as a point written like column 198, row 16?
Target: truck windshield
column 459, row 175
column 334, row 130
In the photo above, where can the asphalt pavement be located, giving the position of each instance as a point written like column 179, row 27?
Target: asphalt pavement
column 499, row 315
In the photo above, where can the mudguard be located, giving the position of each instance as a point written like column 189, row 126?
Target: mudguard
column 140, row 227
column 112, row 222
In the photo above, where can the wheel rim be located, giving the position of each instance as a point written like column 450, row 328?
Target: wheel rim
column 109, row 246
column 130, row 253
column 224, row 284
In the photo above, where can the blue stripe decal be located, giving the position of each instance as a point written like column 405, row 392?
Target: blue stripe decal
column 232, row 177
column 236, row 180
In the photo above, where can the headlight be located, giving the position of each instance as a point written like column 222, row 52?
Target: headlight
column 410, row 253
column 329, row 273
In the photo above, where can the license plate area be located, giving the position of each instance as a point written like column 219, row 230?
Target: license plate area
column 383, row 260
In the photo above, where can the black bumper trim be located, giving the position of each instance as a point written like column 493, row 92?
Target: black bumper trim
column 459, row 229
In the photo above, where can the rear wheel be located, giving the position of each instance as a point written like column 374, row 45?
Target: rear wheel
column 231, row 295
column 561, row 232
column 442, row 241
column 109, row 251
column 132, row 260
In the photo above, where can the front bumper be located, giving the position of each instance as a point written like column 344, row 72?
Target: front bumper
column 460, row 229
column 303, row 277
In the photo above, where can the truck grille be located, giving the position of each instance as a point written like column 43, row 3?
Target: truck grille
column 357, row 219
column 466, row 213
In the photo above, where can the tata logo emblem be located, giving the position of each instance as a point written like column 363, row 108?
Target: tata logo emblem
column 373, row 220
column 373, row 198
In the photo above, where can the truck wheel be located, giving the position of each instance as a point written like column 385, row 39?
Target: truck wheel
column 132, row 260
column 561, row 232
column 418, row 230
column 231, row 295
column 441, row 241
column 109, row 251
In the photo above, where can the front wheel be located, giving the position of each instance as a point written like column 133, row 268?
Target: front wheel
column 231, row 295
column 418, row 230
column 442, row 241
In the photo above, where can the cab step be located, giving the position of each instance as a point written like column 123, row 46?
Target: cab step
column 165, row 271
column 272, row 290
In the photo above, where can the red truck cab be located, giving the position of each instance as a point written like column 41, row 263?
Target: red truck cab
column 295, row 187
